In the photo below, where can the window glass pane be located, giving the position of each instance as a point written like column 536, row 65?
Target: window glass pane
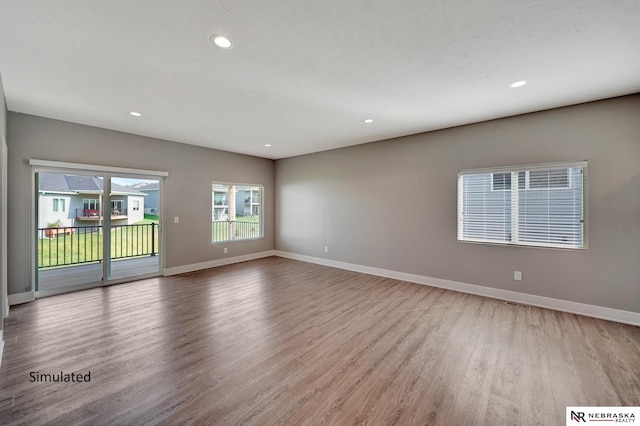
column 501, row 181
column 545, row 209
column 236, row 212
column 220, row 198
column 558, row 178
column 91, row 204
column 553, row 213
column 486, row 212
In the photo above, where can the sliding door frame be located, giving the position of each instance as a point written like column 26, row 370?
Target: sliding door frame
column 107, row 172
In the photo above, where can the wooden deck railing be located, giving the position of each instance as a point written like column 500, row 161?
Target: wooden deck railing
column 224, row 230
column 74, row 245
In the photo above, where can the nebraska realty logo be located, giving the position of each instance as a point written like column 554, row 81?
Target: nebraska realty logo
column 602, row 415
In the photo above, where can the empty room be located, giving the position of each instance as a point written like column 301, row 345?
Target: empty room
column 284, row 213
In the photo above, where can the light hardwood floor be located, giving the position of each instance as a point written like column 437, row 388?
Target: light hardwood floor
column 276, row 341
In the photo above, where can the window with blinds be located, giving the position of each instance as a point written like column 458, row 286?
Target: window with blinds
column 533, row 205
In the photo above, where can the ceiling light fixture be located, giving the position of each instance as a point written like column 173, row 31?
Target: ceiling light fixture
column 221, row 41
column 518, row 84
column 267, row 144
column 368, row 120
column 135, row 114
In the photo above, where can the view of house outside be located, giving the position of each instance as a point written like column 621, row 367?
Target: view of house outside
column 236, row 212
column 71, row 215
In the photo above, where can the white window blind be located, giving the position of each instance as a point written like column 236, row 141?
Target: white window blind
column 533, row 205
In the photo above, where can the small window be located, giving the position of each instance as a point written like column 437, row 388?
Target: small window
column 59, row 205
column 117, row 204
column 236, row 212
column 220, row 197
column 547, row 207
column 91, row 204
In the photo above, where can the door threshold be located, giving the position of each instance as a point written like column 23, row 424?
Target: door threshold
column 88, row 286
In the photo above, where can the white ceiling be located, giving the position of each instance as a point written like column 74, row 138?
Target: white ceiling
column 302, row 74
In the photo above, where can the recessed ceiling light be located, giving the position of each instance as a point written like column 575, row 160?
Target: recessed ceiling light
column 135, row 114
column 367, row 120
column 267, row 144
column 221, row 41
column 518, row 84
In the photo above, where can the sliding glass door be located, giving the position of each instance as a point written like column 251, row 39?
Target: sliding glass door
column 135, row 227
column 69, row 231
column 94, row 229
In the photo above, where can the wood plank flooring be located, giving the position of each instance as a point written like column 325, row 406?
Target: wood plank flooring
column 276, row 341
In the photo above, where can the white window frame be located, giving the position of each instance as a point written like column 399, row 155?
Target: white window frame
column 228, row 206
column 514, row 201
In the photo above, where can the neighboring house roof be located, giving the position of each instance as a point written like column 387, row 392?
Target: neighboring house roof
column 51, row 182
column 74, row 184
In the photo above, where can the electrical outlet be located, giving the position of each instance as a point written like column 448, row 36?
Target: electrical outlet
column 326, row 249
column 226, row 250
column 517, row 275
column 176, row 219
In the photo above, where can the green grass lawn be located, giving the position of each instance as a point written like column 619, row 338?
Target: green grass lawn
column 129, row 241
column 148, row 218
column 80, row 247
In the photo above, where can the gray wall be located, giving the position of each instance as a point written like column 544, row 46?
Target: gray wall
column 3, row 208
column 392, row 204
column 188, row 187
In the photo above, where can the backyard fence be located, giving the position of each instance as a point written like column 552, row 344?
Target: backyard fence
column 74, row 245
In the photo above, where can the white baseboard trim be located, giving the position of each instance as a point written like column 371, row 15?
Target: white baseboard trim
column 19, row 298
column 600, row 312
column 218, row 262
